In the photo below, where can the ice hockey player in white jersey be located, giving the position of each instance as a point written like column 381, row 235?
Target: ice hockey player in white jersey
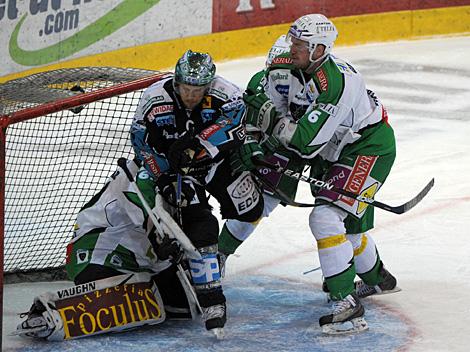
column 346, row 138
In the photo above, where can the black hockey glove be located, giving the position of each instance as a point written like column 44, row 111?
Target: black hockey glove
column 170, row 249
column 168, row 185
column 182, row 152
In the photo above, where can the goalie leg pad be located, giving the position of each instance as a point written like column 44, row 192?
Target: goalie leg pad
column 110, row 305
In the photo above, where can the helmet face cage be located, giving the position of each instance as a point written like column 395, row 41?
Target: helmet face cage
column 194, row 69
column 314, row 29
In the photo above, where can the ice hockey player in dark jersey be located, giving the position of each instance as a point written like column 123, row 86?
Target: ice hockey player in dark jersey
column 183, row 131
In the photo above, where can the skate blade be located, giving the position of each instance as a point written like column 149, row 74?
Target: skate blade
column 27, row 332
column 353, row 326
column 219, row 333
column 386, row 292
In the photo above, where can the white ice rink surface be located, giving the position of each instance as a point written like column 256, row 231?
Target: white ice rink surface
column 426, row 87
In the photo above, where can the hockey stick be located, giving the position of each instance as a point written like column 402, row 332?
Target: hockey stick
column 399, row 209
column 175, row 230
column 281, row 195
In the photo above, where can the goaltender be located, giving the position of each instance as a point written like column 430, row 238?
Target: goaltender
column 124, row 271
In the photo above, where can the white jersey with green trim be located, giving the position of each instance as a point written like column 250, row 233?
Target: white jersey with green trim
column 333, row 120
column 111, row 208
column 116, row 214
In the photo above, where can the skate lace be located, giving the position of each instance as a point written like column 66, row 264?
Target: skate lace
column 363, row 290
column 212, row 312
column 341, row 306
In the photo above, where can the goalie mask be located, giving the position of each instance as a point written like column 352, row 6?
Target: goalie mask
column 194, row 69
column 314, row 29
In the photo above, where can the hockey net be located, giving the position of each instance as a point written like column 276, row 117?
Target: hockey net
column 61, row 134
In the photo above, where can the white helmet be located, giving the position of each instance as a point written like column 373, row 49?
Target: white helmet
column 281, row 46
column 314, row 29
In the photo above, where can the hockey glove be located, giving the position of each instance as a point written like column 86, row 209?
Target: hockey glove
column 270, row 145
column 170, row 249
column 181, row 154
column 261, row 114
column 167, row 186
column 242, row 159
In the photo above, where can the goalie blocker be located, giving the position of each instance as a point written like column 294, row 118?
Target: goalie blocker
column 114, row 304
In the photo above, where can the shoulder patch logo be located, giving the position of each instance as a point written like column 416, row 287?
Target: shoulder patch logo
column 323, row 80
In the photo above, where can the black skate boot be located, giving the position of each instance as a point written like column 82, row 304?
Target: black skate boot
column 214, row 310
column 215, row 318
column 347, row 317
column 388, row 285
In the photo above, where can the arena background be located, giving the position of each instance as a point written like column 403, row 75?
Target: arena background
column 41, row 35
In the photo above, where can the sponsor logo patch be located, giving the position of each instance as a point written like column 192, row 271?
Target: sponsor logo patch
column 323, row 80
column 209, row 131
column 281, row 61
column 95, row 311
column 361, row 170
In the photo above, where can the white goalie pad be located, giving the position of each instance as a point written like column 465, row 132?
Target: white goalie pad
column 114, row 304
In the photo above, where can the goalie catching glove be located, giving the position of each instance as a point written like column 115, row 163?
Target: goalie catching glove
column 261, row 115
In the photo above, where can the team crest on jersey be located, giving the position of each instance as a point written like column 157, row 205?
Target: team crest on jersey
column 323, row 80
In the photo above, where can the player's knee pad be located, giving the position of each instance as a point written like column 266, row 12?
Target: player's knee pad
column 110, row 305
column 326, row 220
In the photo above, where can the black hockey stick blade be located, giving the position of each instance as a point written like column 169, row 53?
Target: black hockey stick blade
column 400, row 209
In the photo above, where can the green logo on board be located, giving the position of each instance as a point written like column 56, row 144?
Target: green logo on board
column 115, row 19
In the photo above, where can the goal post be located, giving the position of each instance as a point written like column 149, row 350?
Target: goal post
column 61, row 133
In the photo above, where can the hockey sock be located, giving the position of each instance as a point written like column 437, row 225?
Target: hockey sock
column 372, row 277
column 228, row 244
column 341, row 285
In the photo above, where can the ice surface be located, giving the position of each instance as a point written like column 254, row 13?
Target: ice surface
column 426, row 87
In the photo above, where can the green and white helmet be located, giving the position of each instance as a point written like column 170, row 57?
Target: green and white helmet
column 281, row 46
column 194, row 69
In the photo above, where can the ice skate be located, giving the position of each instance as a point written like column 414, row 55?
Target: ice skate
column 35, row 324
column 347, row 317
column 214, row 318
column 389, row 285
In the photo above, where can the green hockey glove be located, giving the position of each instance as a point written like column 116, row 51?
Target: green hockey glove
column 242, row 159
column 260, row 112
column 270, row 145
